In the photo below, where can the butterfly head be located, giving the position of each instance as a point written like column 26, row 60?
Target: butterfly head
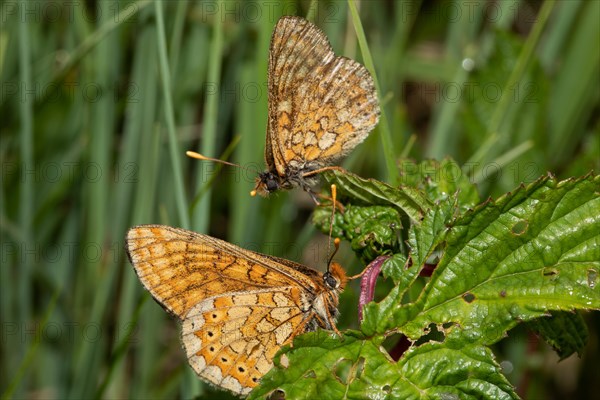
column 326, row 304
column 336, row 277
column 266, row 183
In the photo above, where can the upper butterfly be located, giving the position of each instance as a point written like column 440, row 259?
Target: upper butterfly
column 320, row 106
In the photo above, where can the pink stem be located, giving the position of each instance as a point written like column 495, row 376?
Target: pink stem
column 367, row 283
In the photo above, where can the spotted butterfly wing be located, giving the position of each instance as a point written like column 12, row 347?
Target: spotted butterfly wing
column 320, row 106
column 237, row 307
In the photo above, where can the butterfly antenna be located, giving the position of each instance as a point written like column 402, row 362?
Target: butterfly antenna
column 336, row 244
column 336, row 240
column 199, row 156
column 254, row 191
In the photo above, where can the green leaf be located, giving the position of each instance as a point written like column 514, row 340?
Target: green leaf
column 373, row 192
column 566, row 332
column 440, row 181
column 444, row 372
column 451, row 192
column 312, row 367
column 531, row 252
column 424, row 238
column 395, row 268
column 371, row 231
column 320, row 365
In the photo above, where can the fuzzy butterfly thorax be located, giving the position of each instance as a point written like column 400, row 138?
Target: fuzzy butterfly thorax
column 270, row 181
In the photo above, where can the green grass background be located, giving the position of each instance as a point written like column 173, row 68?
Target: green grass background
column 101, row 99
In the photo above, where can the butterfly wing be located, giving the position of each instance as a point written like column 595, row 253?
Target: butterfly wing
column 238, row 307
column 230, row 340
column 181, row 268
column 320, row 106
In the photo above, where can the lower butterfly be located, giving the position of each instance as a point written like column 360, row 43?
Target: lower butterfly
column 237, row 307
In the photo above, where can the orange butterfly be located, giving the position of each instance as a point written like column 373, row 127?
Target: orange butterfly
column 237, row 307
column 320, row 107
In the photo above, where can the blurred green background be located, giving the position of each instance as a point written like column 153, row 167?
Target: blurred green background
column 101, row 99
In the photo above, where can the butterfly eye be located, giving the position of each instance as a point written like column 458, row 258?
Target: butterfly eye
column 270, row 182
column 330, row 281
column 272, row 185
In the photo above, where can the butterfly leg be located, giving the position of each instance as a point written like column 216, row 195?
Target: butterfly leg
column 338, row 205
column 358, row 275
column 314, row 195
column 331, row 322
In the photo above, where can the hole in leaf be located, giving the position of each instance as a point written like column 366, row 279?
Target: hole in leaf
column 449, row 396
column 342, row 370
column 396, row 345
column 284, row 361
column 277, row 395
column 386, row 388
column 427, row 270
column 433, row 334
column 592, row 277
column 360, row 366
column 310, row 374
column 520, row 227
column 468, row 297
column 550, row 272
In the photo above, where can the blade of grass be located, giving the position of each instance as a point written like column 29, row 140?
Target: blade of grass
column 102, row 118
column 191, row 385
column 501, row 112
column 563, row 19
column 384, row 129
column 152, row 325
column 176, row 35
column 24, row 270
column 128, row 12
column 248, row 214
column 174, row 150
column 312, row 10
column 120, row 350
column 460, row 44
column 201, row 213
column 139, row 160
column 31, row 352
column 578, row 83
column 505, row 159
column 393, row 74
column 244, row 213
